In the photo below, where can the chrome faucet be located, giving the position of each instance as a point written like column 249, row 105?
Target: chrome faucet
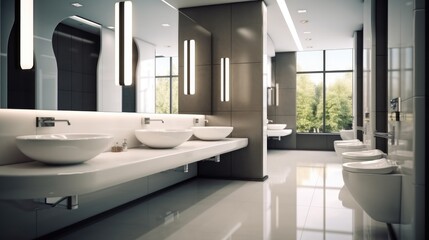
column 49, row 121
column 196, row 121
column 147, row 120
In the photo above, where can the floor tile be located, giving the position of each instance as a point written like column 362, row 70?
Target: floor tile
column 303, row 198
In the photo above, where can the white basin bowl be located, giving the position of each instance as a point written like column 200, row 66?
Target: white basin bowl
column 60, row 149
column 272, row 126
column 163, row 138
column 279, row 132
column 380, row 166
column 212, row 133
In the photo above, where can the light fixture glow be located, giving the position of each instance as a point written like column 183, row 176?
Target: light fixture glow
column 85, row 21
column 76, row 4
column 123, row 43
column 165, row 25
column 302, row 11
column 189, row 67
column 277, row 94
column 286, row 15
column 224, row 79
column 26, row 34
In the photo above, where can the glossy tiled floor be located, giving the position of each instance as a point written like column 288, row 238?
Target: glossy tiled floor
column 303, row 198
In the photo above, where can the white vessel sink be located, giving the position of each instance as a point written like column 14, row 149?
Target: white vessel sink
column 273, row 126
column 279, row 132
column 212, row 133
column 68, row 148
column 163, row 138
column 381, row 166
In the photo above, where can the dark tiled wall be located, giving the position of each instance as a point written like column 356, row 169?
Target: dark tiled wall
column 77, row 54
column 21, row 84
column 201, row 101
column 245, row 110
column 284, row 72
column 381, row 72
column 358, row 66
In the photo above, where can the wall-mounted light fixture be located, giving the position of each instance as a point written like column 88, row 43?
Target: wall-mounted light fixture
column 224, row 79
column 26, row 44
column 123, row 43
column 189, row 67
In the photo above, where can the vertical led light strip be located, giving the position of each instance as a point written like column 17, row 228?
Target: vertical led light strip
column 224, row 79
column 26, row 34
column 277, row 94
column 123, row 43
column 189, row 67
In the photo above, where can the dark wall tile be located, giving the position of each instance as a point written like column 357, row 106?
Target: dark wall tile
column 77, row 101
column 286, row 69
column 64, row 57
column 221, row 169
column 287, row 102
column 76, row 82
column 77, row 57
column 201, row 101
column 248, row 162
column 64, row 100
column 247, row 85
column 216, row 19
column 89, row 83
column 76, row 53
column 64, row 80
column 247, row 25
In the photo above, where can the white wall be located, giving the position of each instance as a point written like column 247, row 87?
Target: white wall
column 145, row 85
column 109, row 96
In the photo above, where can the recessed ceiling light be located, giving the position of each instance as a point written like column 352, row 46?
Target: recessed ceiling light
column 304, row 21
column 302, row 11
column 307, row 32
column 110, row 27
column 76, row 4
column 165, row 25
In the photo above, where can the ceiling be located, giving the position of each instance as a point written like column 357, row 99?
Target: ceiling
column 331, row 22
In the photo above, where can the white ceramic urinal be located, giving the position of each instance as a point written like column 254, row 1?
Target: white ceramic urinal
column 347, row 134
column 376, row 187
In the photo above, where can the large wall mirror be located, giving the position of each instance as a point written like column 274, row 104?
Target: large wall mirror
column 74, row 58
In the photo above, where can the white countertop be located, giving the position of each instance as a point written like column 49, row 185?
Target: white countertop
column 32, row 180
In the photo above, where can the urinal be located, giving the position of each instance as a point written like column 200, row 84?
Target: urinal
column 347, row 134
column 376, row 187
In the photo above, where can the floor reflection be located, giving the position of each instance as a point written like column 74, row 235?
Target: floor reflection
column 304, row 198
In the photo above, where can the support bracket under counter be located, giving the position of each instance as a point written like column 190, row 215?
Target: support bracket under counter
column 33, row 180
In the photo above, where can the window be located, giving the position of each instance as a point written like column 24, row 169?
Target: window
column 324, row 91
column 166, row 85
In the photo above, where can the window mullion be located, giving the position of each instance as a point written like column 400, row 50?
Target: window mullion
column 324, row 91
